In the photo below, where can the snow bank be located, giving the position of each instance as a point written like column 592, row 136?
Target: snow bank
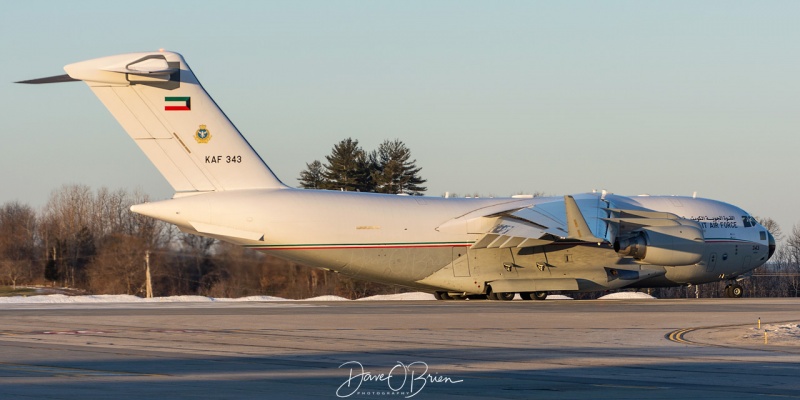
column 248, row 298
column 64, row 299
column 400, row 296
column 124, row 298
column 776, row 333
column 626, row 296
column 327, row 298
column 174, row 299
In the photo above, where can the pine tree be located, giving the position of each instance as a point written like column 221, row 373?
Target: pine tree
column 394, row 171
column 313, row 176
column 85, row 250
column 348, row 168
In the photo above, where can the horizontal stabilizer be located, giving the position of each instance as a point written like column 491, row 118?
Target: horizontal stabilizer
column 146, row 66
column 51, row 79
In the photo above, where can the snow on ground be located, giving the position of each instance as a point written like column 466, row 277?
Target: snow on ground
column 401, row 296
column 626, row 296
column 327, row 298
column 248, row 298
column 776, row 333
column 124, row 298
column 61, row 298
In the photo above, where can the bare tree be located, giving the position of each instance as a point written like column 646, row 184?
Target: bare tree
column 119, row 266
column 18, row 241
column 14, row 270
column 772, row 226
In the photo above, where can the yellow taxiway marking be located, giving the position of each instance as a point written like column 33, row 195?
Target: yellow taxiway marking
column 678, row 336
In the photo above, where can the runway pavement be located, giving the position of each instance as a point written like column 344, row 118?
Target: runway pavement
column 628, row 349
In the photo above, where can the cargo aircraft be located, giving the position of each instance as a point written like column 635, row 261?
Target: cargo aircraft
column 453, row 247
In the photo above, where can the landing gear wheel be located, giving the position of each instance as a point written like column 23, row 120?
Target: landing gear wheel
column 505, row 296
column 539, row 295
column 737, row 291
column 526, row 295
column 442, row 296
column 728, row 291
column 491, row 295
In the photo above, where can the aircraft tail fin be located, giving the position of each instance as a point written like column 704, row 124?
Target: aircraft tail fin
column 160, row 103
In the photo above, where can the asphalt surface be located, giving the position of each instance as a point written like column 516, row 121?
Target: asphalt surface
column 628, row 349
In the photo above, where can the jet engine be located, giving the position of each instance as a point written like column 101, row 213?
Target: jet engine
column 663, row 245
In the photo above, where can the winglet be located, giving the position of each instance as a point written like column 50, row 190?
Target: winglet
column 576, row 224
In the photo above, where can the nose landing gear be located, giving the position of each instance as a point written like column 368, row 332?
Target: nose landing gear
column 734, row 290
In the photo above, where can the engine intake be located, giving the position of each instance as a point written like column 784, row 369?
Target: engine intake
column 664, row 245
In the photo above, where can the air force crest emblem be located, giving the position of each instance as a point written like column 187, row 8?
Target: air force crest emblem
column 202, row 135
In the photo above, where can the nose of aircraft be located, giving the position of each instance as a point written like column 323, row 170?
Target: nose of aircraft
column 771, row 244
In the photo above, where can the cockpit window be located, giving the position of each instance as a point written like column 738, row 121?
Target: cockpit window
column 749, row 221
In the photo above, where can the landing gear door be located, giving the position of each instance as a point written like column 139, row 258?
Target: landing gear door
column 460, row 262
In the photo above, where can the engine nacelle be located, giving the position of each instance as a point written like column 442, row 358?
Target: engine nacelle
column 664, row 245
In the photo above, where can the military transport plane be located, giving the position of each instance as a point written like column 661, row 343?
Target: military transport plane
column 453, row 247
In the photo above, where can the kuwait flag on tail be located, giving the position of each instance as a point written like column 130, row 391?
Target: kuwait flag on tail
column 177, row 103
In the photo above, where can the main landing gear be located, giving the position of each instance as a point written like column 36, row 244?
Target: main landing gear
column 533, row 295
column 500, row 296
column 491, row 295
column 507, row 296
column 448, row 296
column 734, row 290
column 442, row 296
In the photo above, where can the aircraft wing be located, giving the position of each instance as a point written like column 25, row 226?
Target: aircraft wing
column 539, row 225
column 581, row 218
column 510, row 231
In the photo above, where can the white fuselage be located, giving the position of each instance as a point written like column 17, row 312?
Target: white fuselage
column 418, row 241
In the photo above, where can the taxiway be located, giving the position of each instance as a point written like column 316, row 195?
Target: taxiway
column 442, row 350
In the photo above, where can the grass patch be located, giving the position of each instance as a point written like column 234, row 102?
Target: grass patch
column 8, row 291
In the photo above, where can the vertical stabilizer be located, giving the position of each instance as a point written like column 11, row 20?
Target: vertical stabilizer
column 159, row 102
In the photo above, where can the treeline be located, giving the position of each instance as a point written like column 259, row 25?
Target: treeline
column 91, row 241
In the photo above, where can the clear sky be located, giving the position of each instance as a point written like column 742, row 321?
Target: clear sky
column 496, row 98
